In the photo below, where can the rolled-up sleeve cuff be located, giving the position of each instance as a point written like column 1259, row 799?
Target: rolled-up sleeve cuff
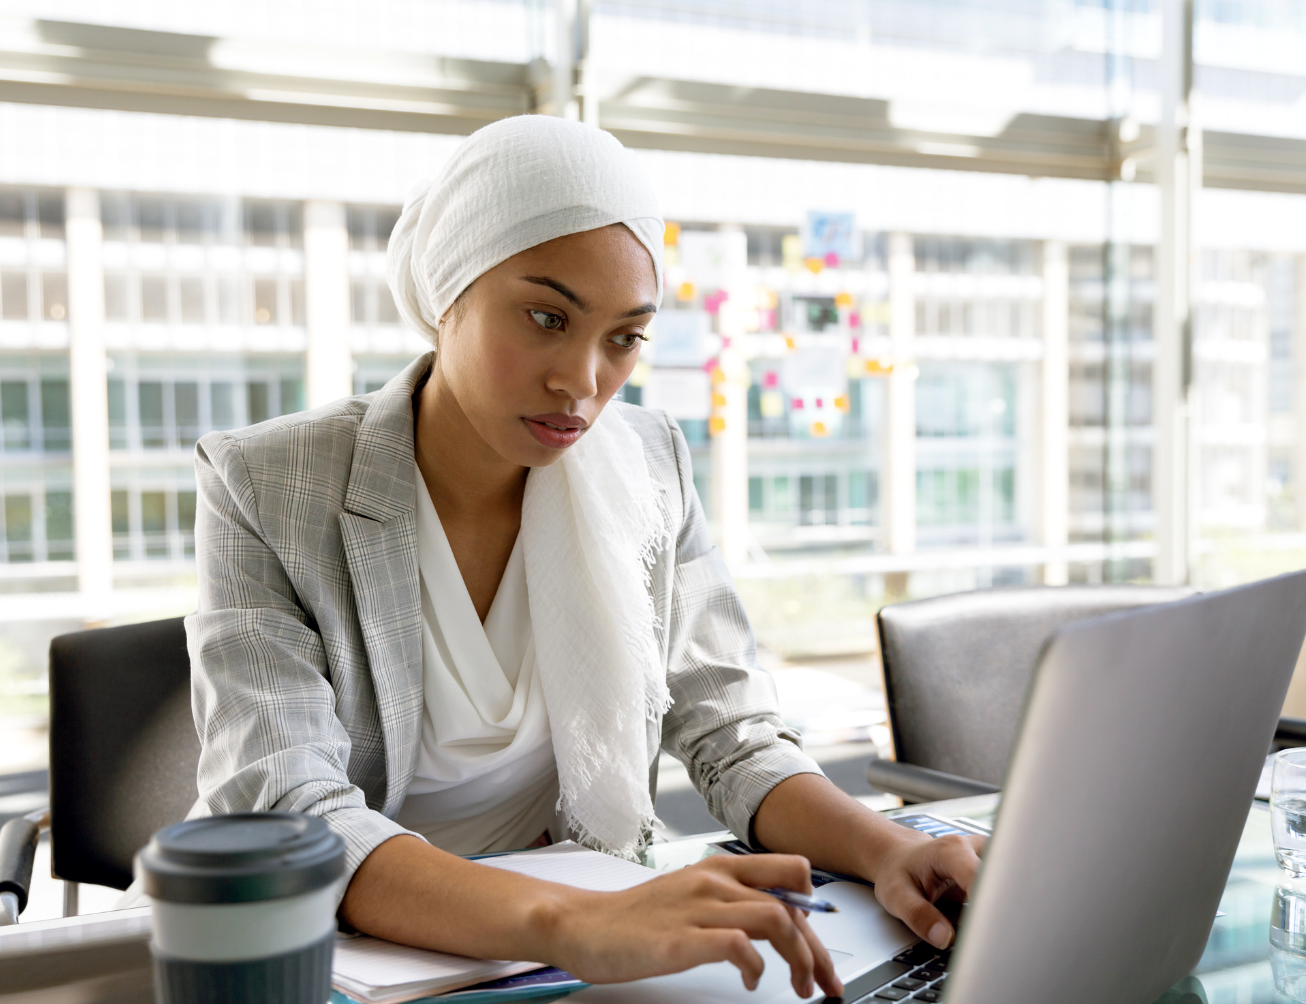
column 363, row 831
column 746, row 783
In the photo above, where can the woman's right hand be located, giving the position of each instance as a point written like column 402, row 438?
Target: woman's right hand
column 708, row 912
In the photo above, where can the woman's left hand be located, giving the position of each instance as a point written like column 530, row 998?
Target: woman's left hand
column 913, row 875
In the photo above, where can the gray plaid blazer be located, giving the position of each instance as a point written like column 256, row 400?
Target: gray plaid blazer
column 306, row 650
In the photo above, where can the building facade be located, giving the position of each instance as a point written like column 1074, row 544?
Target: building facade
column 983, row 400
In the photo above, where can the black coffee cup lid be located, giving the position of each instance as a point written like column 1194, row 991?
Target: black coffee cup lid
column 244, row 857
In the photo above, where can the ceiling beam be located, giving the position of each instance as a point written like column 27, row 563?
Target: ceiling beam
column 95, row 66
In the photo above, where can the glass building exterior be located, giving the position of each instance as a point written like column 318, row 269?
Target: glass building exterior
column 868, row 360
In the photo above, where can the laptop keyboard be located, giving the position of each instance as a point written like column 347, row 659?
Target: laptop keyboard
column 918, row 974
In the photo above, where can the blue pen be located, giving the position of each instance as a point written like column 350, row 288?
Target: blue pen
column 801, row 900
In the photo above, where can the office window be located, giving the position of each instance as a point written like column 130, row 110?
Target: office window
column 818, row 499
column 370, row 226
column 861, row 495
column 154, row 298
column 121, row 517
column 13, row 296
column 13, row 214
column 270, row 223
column 191, row 288
column 292, row 395
column 756, row 503
column 54, row 296
column 59, row 526
column 357, row 224
column 149, row 398
column 194, row 221
column 358, row 302
column 49, row 214
column 229, row 300
column 257, row 406
column 222, row 404
column 781, row 495
column 386, row 311
column 261, row 223
column 18, row 527
column 265, row 301
column 117, row 297
column 14, row 415
column 154, row 524
column 297, row 316
column 117, row 414
column 116, row 216
column 186, row 409
column 947, row 497
column 152, row 219
column 56, row 415
column 370, row 302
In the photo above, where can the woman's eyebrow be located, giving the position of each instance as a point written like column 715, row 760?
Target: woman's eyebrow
column 554, row 284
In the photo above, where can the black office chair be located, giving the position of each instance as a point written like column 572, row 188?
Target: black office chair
column 956, row 669
column 123, row 757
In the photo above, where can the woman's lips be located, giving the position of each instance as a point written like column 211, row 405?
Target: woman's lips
column 556, row 431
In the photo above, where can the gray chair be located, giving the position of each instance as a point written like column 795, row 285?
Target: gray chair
column 123, row 758
column 956, row 669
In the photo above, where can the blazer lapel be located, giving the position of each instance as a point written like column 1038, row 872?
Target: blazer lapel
column 379, row 532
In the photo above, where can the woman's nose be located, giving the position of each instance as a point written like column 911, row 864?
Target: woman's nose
column 576, row 374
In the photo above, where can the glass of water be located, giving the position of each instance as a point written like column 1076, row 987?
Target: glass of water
column 1288, row 810
column 1288, row 940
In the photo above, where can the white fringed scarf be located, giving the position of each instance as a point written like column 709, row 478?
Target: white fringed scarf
column 593, row 522
column 592, row 525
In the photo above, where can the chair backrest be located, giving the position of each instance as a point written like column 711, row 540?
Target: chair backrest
column 123, row 747
column 956, row 668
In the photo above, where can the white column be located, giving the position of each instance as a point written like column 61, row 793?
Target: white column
column 1054, row 411
column 563, row 100
column 587, row 91
column 1178, row 161
column 899, row 481
column 329, row 364
column 88, row 388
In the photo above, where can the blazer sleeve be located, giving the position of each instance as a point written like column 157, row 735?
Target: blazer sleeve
column 263, row 703
column 723, row 724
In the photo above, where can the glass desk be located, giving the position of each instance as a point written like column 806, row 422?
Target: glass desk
column 1234, row 969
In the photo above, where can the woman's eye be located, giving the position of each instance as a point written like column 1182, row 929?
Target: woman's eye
column 546, row 320
column 630, row 340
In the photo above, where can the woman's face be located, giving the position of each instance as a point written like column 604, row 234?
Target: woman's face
column 538, row 345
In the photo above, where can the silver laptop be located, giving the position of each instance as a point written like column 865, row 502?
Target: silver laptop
column 1143, row 738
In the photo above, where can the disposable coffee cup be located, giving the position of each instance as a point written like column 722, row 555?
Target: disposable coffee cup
column 244, row 908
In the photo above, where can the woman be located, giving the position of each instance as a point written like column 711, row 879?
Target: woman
column 463, row 613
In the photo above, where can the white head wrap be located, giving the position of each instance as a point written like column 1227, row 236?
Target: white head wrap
column 512, row 185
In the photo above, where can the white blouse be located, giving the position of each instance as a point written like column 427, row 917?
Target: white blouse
column 486, row 777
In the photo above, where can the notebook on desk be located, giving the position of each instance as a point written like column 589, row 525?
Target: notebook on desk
column 373, row 971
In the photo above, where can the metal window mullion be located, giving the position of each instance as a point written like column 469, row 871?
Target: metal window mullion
column 170, row 524
column 171, row 434
column 135, row 523
column 40, row 543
